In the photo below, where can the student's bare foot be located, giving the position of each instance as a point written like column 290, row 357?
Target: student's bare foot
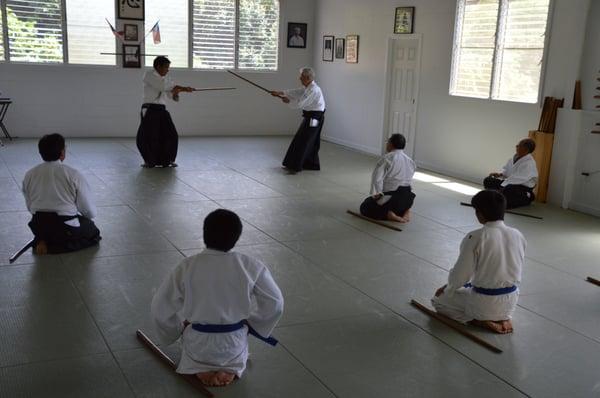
column 406, row 215
column 41, row 248
column 500, row 327
column 173, row 164
column 206, row 378
column 224, row 378
column 391, row 216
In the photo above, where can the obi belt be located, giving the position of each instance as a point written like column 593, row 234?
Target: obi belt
column 199, row 327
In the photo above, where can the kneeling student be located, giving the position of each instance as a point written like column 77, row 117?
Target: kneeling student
column 213, row 300
column 58, row 196
column 391, row 195
column 483, row 285
column 518, row 178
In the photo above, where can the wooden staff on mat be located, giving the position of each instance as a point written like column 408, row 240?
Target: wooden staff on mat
column 593, row 280
column 455, row 325
column 18, row 254
column 169, row 362
column 516, row 213
column 378, row 222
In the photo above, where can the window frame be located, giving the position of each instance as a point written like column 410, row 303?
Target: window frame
column 65, row 43
column 543, row 63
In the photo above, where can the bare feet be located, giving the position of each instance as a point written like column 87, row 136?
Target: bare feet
column 391, row 216
column 173, row 164
column 215, row 379
column 41, row 248
column 500, row 327
column 206, row 377
column 406, row 215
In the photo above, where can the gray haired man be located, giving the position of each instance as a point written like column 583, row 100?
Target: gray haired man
column 303, row 152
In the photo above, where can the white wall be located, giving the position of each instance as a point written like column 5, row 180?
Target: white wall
column 97, row 101
column 459, row 136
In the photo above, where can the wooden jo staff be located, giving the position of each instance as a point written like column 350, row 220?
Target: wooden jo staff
column 252, row 83
column 456, row 326
column 213, row 88
column 169, row 362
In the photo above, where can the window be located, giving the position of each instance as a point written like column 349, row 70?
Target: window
column 258, row 34
column 34, row 30
column 1, row 35
column 87, row 32
column 173, row 25
column 219, row 44
column 214, row 34
column 498, row 49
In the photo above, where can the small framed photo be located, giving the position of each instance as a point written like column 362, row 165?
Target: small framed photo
column 297, row 35
column 131, row 9
column 131, row 32
column 404, row 20
column 340, row 48
column 328, row 48
column 131, row 56
column 352, row 49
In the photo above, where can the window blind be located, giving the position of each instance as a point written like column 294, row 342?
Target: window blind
column 88, row 33
column 258, row 34
column 35, row 30
column 173, row 23
column 213, row 33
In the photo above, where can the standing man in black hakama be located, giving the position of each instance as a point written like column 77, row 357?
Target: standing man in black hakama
column 303, row 152
column 157, row 137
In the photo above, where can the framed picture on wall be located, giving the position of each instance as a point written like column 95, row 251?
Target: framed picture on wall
column 328, row 48
column 340, row 48
column 404, row 20
column 130, row 32
column 352, row 49
column 297, row 35
column 131, row 56
column 131, row 9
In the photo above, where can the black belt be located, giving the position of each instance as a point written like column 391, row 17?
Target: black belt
column 155, row 107
column 313, row 114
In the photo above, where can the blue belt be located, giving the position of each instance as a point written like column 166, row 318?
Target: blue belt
column 492, row 292
column 199, row 327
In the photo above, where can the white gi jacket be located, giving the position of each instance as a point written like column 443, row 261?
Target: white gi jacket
column 491, row 257
column 308, row 98
column 56, row 187
column 394, row 169
column 216, row 288
column 157, row 88
column 522, row 172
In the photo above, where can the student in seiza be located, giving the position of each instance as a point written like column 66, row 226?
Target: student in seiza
column 59, row 198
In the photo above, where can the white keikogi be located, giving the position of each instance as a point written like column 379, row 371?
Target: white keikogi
column 157, row 88
column 522, row 172
column 216, row 288
column 490, row 258
column 308, row 98
column 394, row 169
column 56, row 187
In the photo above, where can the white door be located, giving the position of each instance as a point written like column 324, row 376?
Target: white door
column 403, row 88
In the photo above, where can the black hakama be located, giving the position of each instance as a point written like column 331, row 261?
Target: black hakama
column 157, row 137
column 516, row 195
column 401, row 200
column 63, row 238
column 303, row 152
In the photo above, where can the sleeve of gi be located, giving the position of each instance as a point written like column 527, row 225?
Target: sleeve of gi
column 464, row 268
column 269, row 304
column 166, row 304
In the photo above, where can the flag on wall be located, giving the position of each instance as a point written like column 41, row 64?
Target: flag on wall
column 156, row 33
column 119, row 35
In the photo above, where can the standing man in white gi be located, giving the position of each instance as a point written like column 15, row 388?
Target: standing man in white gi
column 303, row 152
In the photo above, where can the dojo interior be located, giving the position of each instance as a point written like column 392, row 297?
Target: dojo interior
column 68, row 322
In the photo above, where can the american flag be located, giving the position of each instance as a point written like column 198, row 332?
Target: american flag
column 156, row 33
column 119, row 35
